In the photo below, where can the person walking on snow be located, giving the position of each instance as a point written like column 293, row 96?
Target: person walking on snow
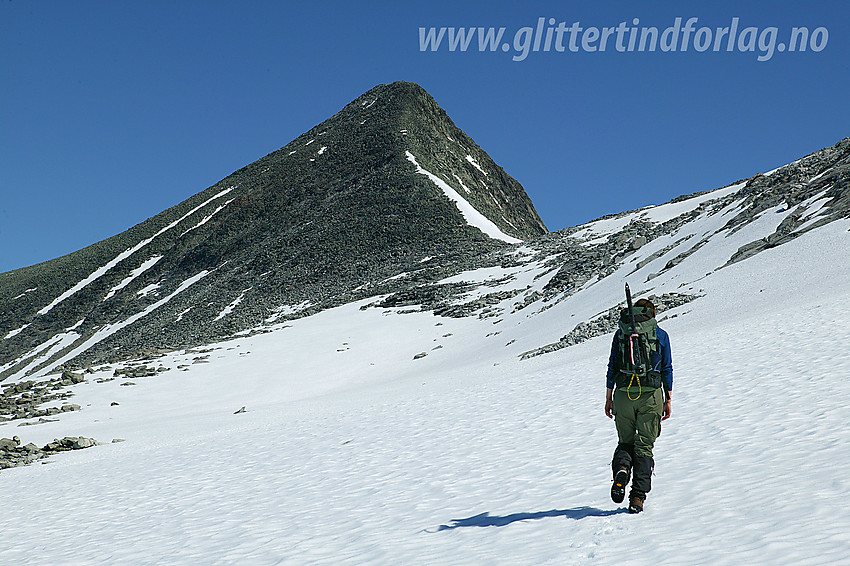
column 638, row 398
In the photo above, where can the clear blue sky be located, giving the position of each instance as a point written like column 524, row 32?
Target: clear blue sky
column 113, row 111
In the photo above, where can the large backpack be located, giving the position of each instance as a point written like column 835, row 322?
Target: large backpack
column 636, row 349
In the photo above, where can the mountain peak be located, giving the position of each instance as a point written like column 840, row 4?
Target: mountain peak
column 396, row 95
column 367, row 194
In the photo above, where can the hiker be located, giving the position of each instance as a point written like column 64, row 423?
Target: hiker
column 641, row 400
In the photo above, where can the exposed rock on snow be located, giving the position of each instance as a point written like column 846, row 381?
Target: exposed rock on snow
column 13, row 454
column 22, row 400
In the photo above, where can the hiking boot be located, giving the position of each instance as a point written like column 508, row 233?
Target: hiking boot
column 618, row 488
column 635, row 504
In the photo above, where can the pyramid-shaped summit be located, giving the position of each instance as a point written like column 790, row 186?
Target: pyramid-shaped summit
column 389, row 174
column 387, row 182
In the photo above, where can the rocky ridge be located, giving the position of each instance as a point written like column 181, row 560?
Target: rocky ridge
column 608, row 322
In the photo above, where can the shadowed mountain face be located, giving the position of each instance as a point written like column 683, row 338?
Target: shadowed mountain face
column 387, row 184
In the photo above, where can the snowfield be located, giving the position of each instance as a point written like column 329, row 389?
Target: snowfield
column 353, row 452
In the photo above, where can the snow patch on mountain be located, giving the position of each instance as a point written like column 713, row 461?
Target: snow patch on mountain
column 772, row 171
column 25, row 293
column 15, row 332
column 464, row 187
column 207, row 218
column 148, row 289
column 475, row 164
column 42, row 353
column 472, row 216
column 599, row 230
column 229, row 308
column 110, row 329
column 813, row 208
column 663, row 213
column 96, row 274
column 286, row 310
column 133, row 275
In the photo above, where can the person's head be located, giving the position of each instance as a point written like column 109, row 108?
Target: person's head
column 648, row 304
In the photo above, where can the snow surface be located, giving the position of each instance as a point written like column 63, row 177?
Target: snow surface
column 472, row 216
column 353, row 452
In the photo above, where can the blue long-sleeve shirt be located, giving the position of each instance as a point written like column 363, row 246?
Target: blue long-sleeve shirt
column 662, row 361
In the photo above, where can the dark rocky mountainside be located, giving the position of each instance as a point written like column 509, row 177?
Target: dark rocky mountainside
column 313, row 224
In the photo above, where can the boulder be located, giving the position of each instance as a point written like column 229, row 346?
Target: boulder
column 70, row 377
column 638, row 242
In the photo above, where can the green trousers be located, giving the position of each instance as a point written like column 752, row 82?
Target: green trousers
column 639, row 421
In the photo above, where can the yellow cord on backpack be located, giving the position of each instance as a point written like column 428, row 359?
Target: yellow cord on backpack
column 640, row 391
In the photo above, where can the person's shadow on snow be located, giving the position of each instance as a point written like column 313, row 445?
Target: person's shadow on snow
column 487, row 520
